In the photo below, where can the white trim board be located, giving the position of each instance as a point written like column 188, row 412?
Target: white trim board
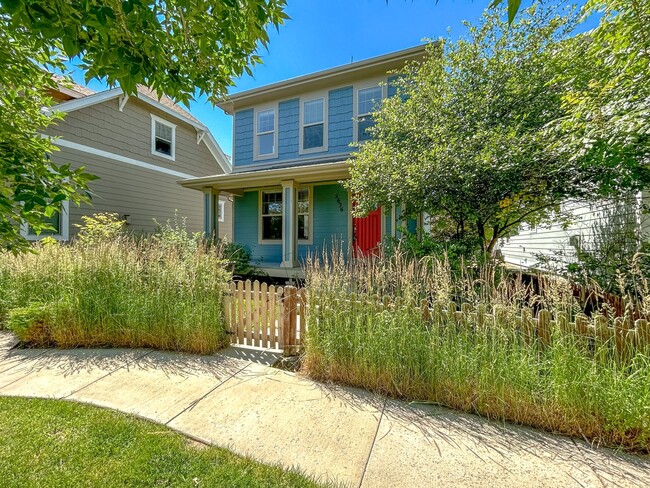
column 122, row 159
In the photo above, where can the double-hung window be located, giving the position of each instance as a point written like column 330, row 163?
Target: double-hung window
column 265, row 133
column 303, row 213
column 272, row 215
column 163, row 138
column 368, row 100
column 313, row 124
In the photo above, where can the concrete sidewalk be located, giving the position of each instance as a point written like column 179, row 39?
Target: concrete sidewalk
column 234, row 400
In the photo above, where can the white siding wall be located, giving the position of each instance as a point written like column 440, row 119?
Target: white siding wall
column 523, row 250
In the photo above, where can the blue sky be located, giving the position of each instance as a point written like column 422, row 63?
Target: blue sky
column 326, row 33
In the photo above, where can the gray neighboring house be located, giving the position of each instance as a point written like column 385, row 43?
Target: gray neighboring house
column 140, row 148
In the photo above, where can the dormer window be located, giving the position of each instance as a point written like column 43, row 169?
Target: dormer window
column 265, row 134
column 163, row 138
column 368, row 100
column 313, row 125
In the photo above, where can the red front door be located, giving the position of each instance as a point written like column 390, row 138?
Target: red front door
column 367, row 233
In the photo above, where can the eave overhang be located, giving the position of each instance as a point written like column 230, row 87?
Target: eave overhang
column 236, row 183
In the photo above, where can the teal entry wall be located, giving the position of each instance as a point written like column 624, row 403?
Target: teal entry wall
column 329, row 223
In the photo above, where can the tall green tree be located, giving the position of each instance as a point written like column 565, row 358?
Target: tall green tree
column 176, row 47
column 468, row 140
column 607, row 93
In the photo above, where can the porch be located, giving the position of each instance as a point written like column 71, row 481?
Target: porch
column 282, row 215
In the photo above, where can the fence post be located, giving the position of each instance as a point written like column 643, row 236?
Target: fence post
column 289, row 321
column 544, row 327
column 642, row 334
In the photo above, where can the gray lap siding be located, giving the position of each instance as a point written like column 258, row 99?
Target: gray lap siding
column 140, row 193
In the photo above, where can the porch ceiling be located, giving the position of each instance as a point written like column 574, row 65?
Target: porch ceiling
column 235, row 183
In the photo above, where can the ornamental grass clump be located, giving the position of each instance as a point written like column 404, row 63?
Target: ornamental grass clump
column 394, row 325
column 117, row 291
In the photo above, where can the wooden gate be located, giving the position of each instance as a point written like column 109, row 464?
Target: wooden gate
column 266, row 317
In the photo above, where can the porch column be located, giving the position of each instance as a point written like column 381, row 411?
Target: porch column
column 289, row 222
column 211, row 213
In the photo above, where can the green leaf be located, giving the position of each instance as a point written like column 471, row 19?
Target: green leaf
column 11, row 5
column 513, row 8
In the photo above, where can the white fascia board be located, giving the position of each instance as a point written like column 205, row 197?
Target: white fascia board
column 88, row 101
column 118, row 157
column 216, row 151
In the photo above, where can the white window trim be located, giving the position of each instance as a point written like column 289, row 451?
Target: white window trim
column 154, row 119
column 222, row 210
column 311, row 215
column 309, row 98
column 274, row 154
column 260, row 227
column 383, row 84
column 65, row 226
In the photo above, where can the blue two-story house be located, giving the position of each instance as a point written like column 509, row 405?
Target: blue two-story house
column 291, row 145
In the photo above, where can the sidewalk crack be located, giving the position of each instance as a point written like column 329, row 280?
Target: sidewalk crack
column 374, row 440
column 194, row 403
column 106, row 375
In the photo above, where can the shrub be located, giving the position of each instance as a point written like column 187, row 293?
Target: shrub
column 117, row 291
column 239, row 258
column 100, row 227
column 488, row 368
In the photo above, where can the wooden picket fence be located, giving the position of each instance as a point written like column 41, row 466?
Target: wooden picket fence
column 266, row 317
column 622, row 334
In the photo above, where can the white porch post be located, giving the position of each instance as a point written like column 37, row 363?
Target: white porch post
column 211, row 212
column 289, row 221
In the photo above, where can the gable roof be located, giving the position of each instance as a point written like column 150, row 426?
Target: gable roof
column 167, row 102
column 67, row 89
column 328, row 78
column 163, row 103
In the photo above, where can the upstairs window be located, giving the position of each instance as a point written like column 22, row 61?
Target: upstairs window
column 313, row 124
column 368, row 100
column 265, row 133
column 272, row 215
column 163, row 138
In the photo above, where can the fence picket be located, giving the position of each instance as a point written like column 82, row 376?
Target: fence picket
column 543, row 327
column 272, row 319
column 279, row 298
column 643, row 333
column 249, row 311
column 233, row 310
column 240, row 306
column 264, row 299
column 256, row 314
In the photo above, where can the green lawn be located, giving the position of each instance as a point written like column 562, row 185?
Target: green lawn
column 61, row 444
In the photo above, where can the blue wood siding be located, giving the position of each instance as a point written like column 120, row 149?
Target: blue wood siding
column 340, row 119
column 330, row 220
column 243, row 128
column 329, row 223
column 246, row 230
column 288, row 125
